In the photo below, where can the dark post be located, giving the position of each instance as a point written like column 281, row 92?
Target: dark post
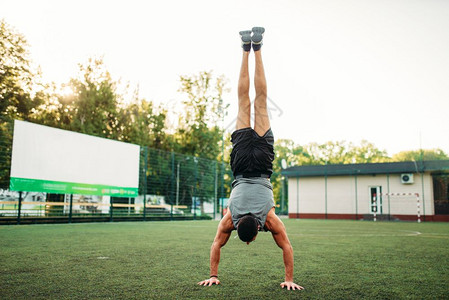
column 70, row 208
column 388, row 190
column 222, row 186
column 423, row 200
column 194, row 187
column 111, row 202
column 215, row 189
column 145, row 185
column 172, row 183
column 325, row 191
column 421, row 158
column 297, row 197
column 356, row 198
column 20, row 208
column 282, row 194
column 222, row 157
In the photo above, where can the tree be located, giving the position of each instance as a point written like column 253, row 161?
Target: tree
column 292, row 153
column 342, row 152
column 198, row 129
column 417, row 155
column 18, row 96
column 55, row 110
column 17, row 79
column 143, row 124
column 368, row 153
column 93, row 107
column 6, row 129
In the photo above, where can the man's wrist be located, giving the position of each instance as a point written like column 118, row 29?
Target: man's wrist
column 216, row 276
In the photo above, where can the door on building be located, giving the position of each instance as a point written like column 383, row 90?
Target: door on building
column 441, row 193
column 375, row 205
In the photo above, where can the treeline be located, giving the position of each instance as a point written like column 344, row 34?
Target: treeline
column 91, row 103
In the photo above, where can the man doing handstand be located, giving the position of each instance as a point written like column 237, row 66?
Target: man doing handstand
column 251, row 205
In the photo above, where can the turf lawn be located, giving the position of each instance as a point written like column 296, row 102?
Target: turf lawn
column 165, row 260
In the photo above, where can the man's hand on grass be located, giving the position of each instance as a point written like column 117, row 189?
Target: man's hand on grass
column 291, row 285
column 210, row 281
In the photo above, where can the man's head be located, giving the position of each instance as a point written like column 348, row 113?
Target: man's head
column 248, row 228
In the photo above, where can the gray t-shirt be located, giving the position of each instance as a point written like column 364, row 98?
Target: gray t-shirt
column 251, row 196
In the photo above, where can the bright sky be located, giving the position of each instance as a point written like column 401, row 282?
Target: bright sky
column 336, row 69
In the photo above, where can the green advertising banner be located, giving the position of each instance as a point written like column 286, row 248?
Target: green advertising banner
column 59, row 187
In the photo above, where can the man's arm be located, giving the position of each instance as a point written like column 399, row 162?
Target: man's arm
column 221, row 238
column 277, row 228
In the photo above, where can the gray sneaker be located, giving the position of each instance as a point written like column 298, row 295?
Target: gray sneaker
column 257, row 38
column 246, row 39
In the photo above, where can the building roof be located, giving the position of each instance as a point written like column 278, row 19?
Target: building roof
column 368, row 169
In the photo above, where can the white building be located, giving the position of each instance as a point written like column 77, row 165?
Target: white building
column 399, row 190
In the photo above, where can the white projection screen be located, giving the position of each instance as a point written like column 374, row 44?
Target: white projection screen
column 46, row 159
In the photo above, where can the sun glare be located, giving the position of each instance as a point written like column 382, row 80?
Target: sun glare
column 66, row 91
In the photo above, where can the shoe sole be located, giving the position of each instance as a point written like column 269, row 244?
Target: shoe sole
column 246, row 36
column 257, row 35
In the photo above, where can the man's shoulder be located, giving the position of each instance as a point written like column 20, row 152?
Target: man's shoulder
column 273, row 223
column 226, row 224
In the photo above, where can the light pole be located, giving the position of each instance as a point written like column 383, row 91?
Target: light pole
column 178, row 167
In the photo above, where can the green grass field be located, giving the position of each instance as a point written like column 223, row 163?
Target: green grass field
column 165, row 260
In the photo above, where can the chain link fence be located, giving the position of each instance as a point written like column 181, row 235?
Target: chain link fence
column 172, row 186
